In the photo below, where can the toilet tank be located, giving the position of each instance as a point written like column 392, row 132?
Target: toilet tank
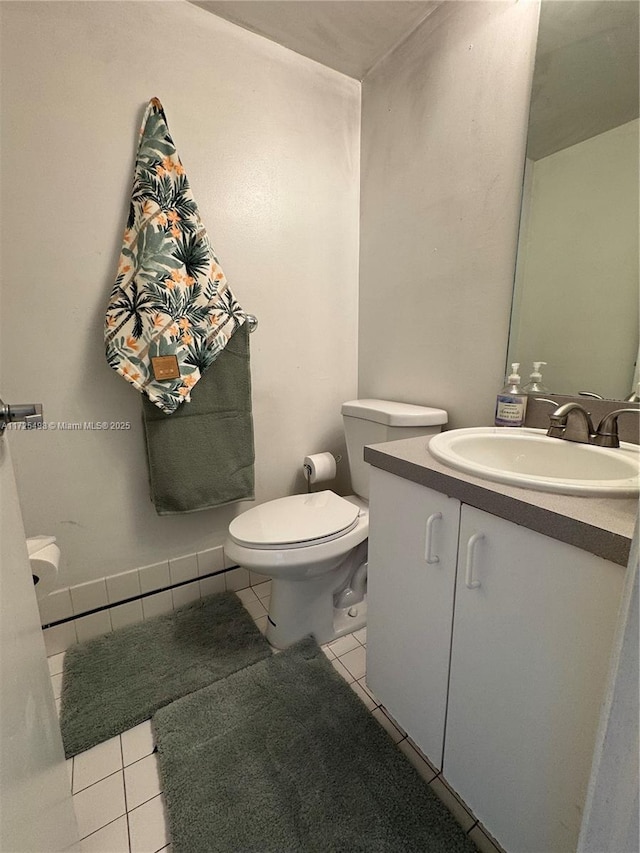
column 374, row 421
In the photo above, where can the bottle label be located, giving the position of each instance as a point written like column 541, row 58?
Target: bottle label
column 510, row 410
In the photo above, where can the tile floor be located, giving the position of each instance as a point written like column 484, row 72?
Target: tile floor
column 116, row 787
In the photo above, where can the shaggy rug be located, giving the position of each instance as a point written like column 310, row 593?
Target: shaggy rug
column 283, row 757
column 114, row 682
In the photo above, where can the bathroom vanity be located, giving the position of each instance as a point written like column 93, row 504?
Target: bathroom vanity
column 491, row 616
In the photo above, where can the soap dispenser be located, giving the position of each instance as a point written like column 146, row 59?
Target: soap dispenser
column 511, row 403
column 535, row 385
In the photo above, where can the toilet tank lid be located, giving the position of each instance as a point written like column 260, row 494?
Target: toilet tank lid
column 394, row 414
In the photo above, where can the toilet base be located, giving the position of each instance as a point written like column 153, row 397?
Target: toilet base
column 297, row 609
column 345, row 623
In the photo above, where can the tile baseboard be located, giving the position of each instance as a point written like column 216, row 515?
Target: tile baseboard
column 80, row 613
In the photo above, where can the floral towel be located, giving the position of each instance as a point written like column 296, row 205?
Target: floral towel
column 171, row 312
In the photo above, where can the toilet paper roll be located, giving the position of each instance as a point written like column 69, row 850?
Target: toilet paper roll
column 44, row 567
column 320, row 467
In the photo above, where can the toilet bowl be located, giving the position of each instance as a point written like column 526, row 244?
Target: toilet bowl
column 306, row 553
column 314, row 546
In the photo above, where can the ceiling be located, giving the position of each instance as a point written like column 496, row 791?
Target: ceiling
column 586, row 74
column 585, row 79
column 350, row 36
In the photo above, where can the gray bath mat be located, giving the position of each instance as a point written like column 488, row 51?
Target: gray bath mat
column 284, row 758
column 117, row 681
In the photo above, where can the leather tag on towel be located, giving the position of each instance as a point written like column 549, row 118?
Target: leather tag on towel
column 165, row 367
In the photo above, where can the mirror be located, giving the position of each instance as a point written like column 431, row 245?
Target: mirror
column 576, row 294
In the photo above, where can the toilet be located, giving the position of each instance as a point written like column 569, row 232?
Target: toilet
column 314, row 546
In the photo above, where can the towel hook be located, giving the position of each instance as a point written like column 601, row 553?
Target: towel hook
column 252, row 322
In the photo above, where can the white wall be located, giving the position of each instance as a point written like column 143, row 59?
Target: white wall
column 579, row 250
column 444, row 125
column 270, row 143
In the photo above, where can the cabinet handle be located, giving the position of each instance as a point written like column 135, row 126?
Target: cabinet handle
column 471, row 545
column 428, row 556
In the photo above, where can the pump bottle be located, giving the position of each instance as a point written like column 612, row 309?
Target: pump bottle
column 535, row 384
column 511, row 402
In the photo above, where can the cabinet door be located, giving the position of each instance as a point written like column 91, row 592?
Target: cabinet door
column 534, row 624
column 413, row 534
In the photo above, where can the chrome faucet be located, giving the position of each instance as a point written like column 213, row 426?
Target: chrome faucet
column 605, row 435
column 560, row 419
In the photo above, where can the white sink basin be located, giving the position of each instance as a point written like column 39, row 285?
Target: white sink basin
column 530, row 459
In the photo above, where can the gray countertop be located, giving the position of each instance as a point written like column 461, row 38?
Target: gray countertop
column 602, row 526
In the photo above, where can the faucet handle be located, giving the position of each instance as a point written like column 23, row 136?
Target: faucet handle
column 607, row 432
column 557, row 426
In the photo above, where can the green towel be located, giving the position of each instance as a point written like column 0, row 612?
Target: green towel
column 202, row 455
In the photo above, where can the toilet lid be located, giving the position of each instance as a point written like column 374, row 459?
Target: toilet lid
column 295, row 520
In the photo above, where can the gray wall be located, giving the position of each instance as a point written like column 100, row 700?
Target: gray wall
column 270, row 144
column 444, row 125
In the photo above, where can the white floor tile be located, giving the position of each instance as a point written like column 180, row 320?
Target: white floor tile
column 255, row 608
column 137, row 743
column 69, row 764
column 362, row 694
column 58, row 706
column 356, row 662
column 262, row 623
column 363, row 683
column 423, row 767
column 142, row 781
column 457, row 809
column 96, row 763
column 113, row 838
column 393, row 720
column 99, row 804
column 344, row 644
column 262, row 590
column 327, row 650
column 342, row 670
column 395, row 734
column 56, row 663
column 483, row 841
column 361, row 636
column 247, row 596
column 148, row 830
column 56, row 683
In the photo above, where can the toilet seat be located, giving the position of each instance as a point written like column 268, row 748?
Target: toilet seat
column 297, row 521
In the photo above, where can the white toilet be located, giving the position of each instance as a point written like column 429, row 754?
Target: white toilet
column 314, row 546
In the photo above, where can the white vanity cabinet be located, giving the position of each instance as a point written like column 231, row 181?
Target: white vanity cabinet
column 413, row 543
column 518, row 705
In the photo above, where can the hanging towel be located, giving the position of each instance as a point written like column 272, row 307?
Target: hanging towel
column 171, row 312
column 202, row 455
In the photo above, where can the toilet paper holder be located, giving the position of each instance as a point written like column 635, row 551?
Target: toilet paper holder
column 44, row 559
column 309, row 470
